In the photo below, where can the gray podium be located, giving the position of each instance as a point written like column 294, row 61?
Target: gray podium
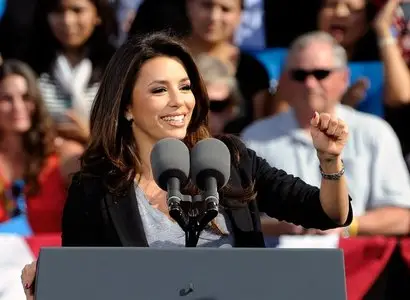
column 190, row 274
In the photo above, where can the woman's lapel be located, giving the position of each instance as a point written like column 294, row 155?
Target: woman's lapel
column 126, row 218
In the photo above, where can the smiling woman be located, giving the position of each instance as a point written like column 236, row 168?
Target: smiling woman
column 163, row 90
column 72, row 45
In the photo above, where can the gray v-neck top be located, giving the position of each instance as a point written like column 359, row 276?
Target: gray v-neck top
column 161, row 232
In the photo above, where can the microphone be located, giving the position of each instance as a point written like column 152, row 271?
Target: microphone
column 210, row 171
column 170, row 166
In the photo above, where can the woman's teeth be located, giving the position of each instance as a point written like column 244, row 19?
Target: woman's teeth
column 174, row 120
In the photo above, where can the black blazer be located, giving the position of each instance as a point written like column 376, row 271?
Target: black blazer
column 93, row 217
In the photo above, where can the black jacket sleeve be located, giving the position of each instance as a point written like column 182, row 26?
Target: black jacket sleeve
column 288, row 198
column 82, row 221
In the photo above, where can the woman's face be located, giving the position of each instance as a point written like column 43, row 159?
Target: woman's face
column 16, row 107
column 74, row 22
column 220, row 107
column 345, row 20
column 162, row 100
column 214, row 20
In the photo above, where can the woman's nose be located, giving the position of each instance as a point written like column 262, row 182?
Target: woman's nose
column 342, row 11
column 215, row 14
column 68, row 18
column 175, row 99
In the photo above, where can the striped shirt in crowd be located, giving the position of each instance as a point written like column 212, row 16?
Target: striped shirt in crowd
column 57, row 101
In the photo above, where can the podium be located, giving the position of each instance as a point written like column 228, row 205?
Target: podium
column 190, row 274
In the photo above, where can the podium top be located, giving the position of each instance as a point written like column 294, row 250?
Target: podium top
column 190, row 274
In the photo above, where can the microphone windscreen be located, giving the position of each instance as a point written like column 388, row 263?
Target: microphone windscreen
column 210, row 158
column 170, row 158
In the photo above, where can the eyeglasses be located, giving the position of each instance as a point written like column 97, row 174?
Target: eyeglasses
column 300, row 75
column 219, row 105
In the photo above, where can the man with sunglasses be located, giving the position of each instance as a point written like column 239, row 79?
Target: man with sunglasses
column 315, row 78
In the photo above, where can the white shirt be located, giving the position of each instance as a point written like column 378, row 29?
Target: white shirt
column 375, row 169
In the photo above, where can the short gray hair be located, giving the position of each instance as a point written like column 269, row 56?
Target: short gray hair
column 213, row 70
column 301, row 42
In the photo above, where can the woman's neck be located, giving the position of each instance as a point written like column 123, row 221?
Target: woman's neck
column 145, row 146
column 13, row 158
column 74, row 56
column 11, row 145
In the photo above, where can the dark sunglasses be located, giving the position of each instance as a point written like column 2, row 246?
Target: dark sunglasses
column 300, row 75
column 219, row 105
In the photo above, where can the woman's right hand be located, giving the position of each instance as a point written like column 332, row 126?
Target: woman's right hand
column 27, row 279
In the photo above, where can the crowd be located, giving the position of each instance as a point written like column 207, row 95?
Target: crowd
column 54, row 54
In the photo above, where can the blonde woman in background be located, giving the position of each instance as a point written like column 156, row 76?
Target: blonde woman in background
column 225, row 98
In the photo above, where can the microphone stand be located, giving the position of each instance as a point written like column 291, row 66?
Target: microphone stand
column 196, row 221
column 192, row 222
column 191, row 231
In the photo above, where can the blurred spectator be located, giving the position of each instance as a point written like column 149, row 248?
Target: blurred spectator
column 214, row 23
column 29, row 162
column 160, row 15
column 397, row 75
column 72, row 46
column 396, row 70
column 223, row 93
column 369, row 30
column 16, row 28
column 317, row 76
column 350, row 23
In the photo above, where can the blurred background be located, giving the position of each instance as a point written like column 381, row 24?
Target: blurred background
column 265, row 64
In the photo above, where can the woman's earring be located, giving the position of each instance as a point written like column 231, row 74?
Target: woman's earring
column 129, row 119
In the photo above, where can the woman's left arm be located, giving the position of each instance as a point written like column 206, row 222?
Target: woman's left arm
column 334, row 196
column 288, row 198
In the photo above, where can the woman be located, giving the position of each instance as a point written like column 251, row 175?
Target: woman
column 154, row 91
column 28, row 155
column 72, row 46
column 213, row 26
column 395, row 56
column 350, row 23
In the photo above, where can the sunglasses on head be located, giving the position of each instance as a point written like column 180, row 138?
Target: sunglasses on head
column 219, row 105
column 300, row 75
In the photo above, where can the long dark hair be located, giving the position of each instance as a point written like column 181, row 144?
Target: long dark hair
column 115, row 153
column 99, row 46
column 38, row 141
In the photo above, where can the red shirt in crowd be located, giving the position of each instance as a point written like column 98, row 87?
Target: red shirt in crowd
column 44, row 210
